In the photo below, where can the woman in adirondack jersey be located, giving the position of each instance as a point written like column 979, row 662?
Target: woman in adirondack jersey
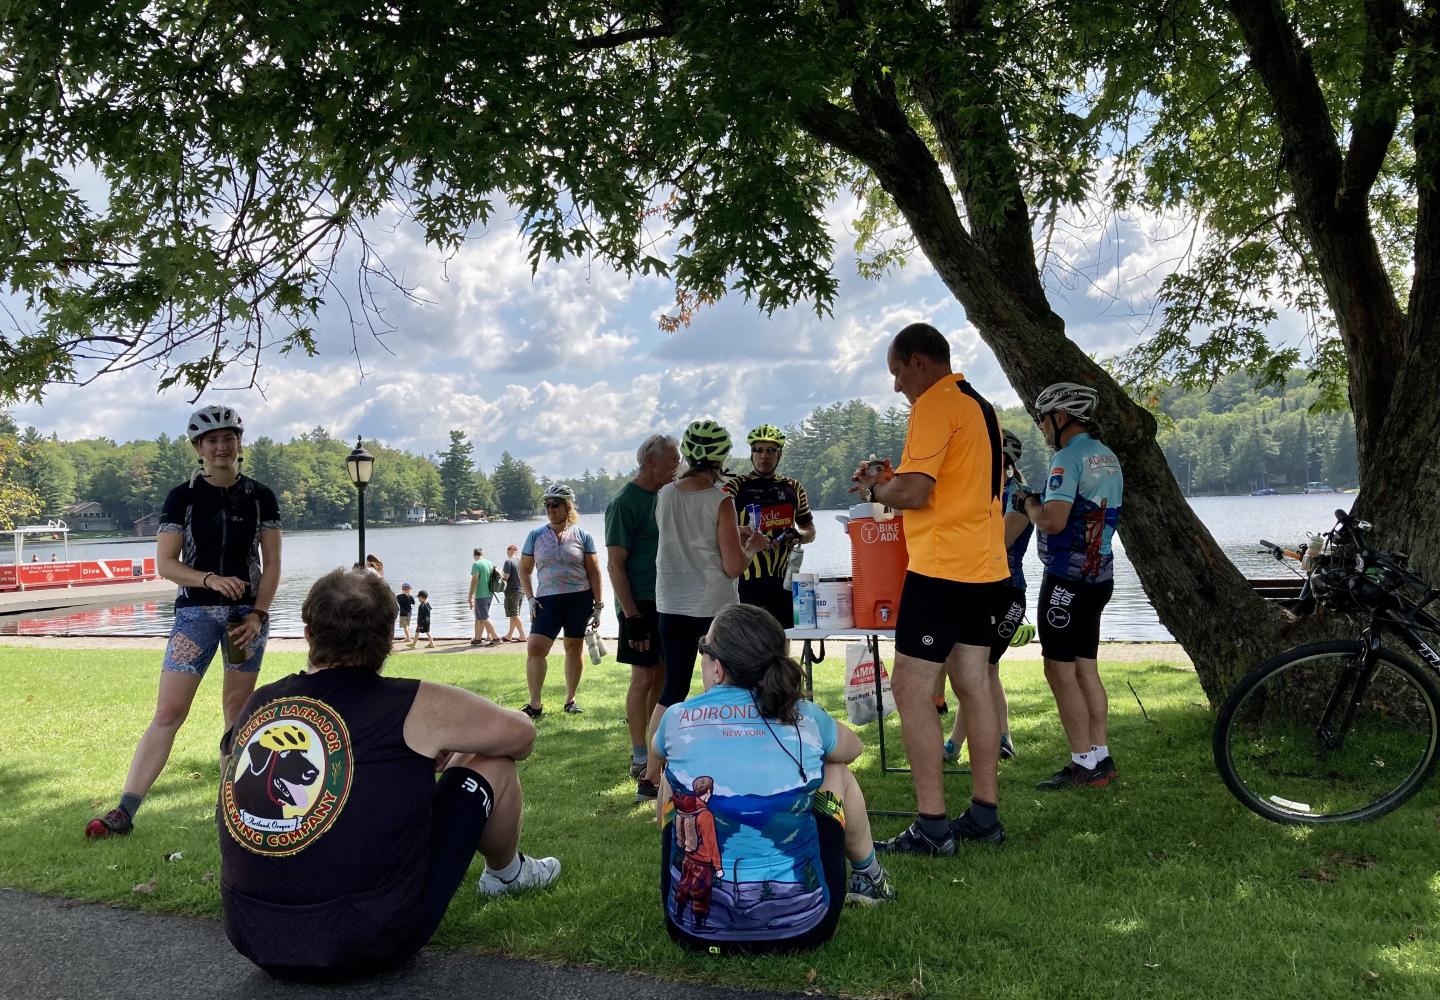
column 758, row 806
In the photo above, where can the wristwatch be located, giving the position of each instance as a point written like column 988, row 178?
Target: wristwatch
column 264, row 615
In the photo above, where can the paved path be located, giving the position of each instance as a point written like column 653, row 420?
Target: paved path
column 58, row 949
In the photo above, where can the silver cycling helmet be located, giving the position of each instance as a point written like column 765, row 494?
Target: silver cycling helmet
column 1011, row 445
column 213, row 418
column 1077, row 400
column 559, row 491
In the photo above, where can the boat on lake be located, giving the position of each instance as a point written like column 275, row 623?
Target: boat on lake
column 36, row 575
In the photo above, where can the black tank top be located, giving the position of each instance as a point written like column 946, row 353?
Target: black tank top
column 324, row 817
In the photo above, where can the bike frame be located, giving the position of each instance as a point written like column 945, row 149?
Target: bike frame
column 1357, row 680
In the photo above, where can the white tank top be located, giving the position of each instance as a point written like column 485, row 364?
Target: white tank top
column 689, row 576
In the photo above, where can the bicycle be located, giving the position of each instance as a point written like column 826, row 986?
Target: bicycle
column 1344, row 730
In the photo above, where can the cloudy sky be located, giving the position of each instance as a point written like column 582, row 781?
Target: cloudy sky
column 569, row 370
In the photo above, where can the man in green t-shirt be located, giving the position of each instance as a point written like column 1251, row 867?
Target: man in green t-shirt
column 478, row 597
column 631, row 543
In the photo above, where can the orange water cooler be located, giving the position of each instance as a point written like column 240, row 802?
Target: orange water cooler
column 878, row 560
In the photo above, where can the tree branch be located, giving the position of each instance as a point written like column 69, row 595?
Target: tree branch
column 615, row 39
column 847, row 132
column 1377, row 112
column 1311, row 150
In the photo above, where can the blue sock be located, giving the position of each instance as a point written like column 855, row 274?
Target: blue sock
column 870, row 866
column 637, row 755
column 130, row 803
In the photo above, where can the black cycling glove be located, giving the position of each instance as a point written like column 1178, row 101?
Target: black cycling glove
column 636, row 630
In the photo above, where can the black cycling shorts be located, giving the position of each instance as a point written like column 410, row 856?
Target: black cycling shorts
column 680, row 637
column 650, row 655
column 771, row 594
column 1069, row 617
column 936, row 614
column 1009, row 615
column 570, row 612
column 459, row 812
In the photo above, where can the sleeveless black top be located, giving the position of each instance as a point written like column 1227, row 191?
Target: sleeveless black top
column 324, row 818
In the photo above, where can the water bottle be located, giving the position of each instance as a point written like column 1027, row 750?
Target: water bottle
column 752, row 513
column 234, row 654
column 792, row 566
column 594, row 645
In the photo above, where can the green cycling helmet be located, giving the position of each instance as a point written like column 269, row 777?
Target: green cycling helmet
column 766, row 432
column 705, row 441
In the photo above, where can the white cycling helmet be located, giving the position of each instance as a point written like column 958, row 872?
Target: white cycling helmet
column 213, row 418
column 559, row 491
column 1077, row 400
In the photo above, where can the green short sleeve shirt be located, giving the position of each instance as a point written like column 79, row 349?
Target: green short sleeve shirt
column 630, row 523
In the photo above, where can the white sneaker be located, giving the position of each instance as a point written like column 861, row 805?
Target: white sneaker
column 535, row 873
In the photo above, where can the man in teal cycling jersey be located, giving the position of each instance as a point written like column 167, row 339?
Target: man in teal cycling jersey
column 1076, row 518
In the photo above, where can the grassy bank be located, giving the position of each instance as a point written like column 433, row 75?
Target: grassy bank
column 1159, row 886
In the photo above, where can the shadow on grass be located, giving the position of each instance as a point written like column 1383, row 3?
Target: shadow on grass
column 1157, row 886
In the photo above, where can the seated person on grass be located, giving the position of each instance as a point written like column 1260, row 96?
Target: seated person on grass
column 758, row 804
column 339, row 849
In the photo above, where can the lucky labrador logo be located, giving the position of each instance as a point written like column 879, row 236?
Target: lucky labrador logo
column 288, row 776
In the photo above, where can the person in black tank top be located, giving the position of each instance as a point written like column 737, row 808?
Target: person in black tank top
column 339, row 850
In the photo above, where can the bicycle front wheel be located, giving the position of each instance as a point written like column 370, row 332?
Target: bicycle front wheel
column 1284, row 748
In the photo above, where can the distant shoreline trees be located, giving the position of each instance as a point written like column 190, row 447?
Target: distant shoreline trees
column 1233, row 439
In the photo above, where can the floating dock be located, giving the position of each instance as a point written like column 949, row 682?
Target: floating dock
column 45, row 599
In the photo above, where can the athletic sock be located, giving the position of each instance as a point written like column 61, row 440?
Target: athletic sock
column 1004, row 738
column 985, row 814
column 510, row 872
column 637, row 755
column 1100, row 753
column 130, row 803
column 934, row 827
column 870, row 866
column 1086, row 760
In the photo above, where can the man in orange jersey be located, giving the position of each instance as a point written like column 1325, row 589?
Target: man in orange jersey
column 950, row 485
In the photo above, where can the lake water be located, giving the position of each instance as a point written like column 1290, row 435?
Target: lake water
column 436, row 558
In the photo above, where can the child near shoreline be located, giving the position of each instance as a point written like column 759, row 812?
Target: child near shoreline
column 422, row 621
column 407, row 604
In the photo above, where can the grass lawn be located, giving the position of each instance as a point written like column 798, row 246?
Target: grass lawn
column 1158, row 886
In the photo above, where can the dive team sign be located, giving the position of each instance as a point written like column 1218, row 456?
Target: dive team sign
column 288, row 776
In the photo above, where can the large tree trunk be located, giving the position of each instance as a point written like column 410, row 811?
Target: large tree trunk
column 1392, row 352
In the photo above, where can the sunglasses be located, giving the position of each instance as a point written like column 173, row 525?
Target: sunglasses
column 708, row 650
column 552, row 504
column 764, row 451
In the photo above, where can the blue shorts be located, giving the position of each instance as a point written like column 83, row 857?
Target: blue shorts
column 482, row 608
column 197, row 633
column 570, row 612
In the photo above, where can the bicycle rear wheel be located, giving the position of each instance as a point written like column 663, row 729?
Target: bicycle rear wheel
column 1279, row 749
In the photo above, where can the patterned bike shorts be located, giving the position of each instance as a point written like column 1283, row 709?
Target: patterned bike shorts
column 199, row 631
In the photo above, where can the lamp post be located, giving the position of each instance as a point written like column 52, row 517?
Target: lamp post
column 359, row 463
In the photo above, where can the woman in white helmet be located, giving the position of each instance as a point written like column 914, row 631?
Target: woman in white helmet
column 219, row 541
